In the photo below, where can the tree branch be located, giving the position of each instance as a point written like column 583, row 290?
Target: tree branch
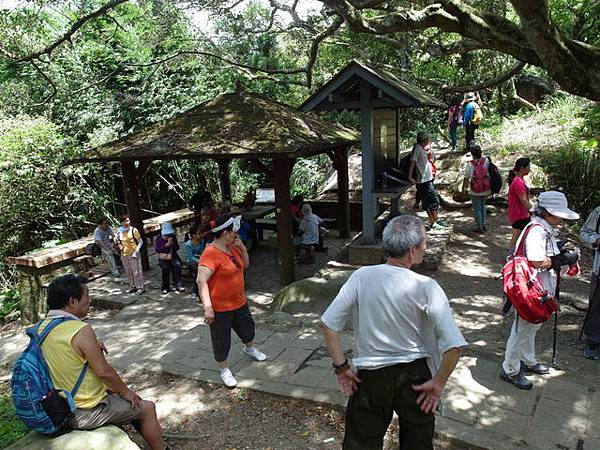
column 558, row 52
column 314, row 47
column 50, row 82
column 220, row 58
column 486, row 84
column 536, row 40
column 72, row 30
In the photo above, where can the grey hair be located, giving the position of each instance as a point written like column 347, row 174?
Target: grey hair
column 401, row 233
column 306, row 209
column 540, row 211
column 423, row 136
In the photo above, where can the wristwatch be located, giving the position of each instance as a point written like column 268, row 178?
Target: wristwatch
column 340, row 368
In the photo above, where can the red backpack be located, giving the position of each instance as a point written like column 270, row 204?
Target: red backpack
column 480, row 182
column 523, row 288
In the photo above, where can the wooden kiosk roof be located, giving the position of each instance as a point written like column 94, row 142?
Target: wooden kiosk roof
column 343, row 91
column 236, row 125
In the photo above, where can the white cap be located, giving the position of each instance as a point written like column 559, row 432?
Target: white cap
column 556, row 204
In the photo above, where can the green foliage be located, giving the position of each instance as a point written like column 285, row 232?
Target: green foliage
column 11, row 427
column 308, row 174
column 569, row 166
column 41, row 198
column 9, row 302
column 575, row 168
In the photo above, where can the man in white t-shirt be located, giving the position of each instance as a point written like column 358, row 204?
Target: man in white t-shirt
column 541, row 249
column 404, row 333
column 421, row 173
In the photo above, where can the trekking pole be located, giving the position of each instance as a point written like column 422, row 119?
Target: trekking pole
column 590, row 303
column 557, row 296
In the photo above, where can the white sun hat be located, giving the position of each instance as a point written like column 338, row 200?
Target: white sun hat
column 556, row 204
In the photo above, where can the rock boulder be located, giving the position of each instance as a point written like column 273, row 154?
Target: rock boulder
column 313, row 295
column 109, row 437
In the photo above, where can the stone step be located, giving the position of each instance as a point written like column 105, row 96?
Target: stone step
column 368, row 254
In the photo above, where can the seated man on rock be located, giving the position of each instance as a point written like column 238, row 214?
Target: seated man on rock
column 103, row 398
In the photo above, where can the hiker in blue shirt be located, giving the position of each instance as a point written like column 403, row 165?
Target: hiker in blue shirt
column 469, row 121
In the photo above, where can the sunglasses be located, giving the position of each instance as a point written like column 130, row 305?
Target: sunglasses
column 235, row 261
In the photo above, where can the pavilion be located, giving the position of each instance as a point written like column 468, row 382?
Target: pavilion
column 236, row 125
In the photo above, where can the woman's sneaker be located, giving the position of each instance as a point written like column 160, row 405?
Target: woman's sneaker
column 592, row 352
column 227, row 378
column 253, row 352
column 517, row 380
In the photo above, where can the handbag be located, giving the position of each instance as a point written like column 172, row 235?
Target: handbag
column 165, row 256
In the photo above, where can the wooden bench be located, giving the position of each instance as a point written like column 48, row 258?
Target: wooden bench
column 38, row 269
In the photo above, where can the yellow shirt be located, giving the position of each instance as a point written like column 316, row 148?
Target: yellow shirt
column 65, row 364
column 129, row 243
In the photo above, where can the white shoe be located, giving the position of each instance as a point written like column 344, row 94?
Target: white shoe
column 253, row 352
column 228, row 379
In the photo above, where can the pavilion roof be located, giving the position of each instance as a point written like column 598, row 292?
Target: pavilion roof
column 236, row 125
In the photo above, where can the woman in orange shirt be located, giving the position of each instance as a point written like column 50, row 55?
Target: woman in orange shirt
column 221, row 288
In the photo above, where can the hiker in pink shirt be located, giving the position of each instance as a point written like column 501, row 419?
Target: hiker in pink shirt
column 518, row 199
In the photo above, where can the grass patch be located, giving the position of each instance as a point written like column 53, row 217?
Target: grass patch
column 11, row 427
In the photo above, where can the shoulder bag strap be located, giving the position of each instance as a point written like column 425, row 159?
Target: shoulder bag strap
column 53, row 324
column 133, row 230
column 520, row 251
column 80, row 379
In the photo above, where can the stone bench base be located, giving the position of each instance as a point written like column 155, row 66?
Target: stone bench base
column 109, row 437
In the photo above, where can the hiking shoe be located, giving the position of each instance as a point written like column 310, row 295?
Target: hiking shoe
column 253, row 352
column 180, row 289
column 485, row 227
column 132, row 290
column 592, row 351
column 538, row 368
column 477, row 230
column 517, row 380
column 227, row 378
column 437, row 226
column 165, row 291
column 140, row 291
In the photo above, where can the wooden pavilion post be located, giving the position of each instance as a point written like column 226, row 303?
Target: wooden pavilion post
column 340, row 163
column 281, row 183
column 224, row 179
column 132, row 198
column 368, row 182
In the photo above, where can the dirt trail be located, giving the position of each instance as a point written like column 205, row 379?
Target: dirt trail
column 468, row 276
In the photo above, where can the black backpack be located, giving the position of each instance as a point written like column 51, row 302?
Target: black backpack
column 93, row 249
column 495, row 178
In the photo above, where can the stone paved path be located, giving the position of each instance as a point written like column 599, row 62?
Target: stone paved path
column 480, row 409
column 166, row 333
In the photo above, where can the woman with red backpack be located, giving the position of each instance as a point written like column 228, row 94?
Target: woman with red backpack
column 477, row 178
